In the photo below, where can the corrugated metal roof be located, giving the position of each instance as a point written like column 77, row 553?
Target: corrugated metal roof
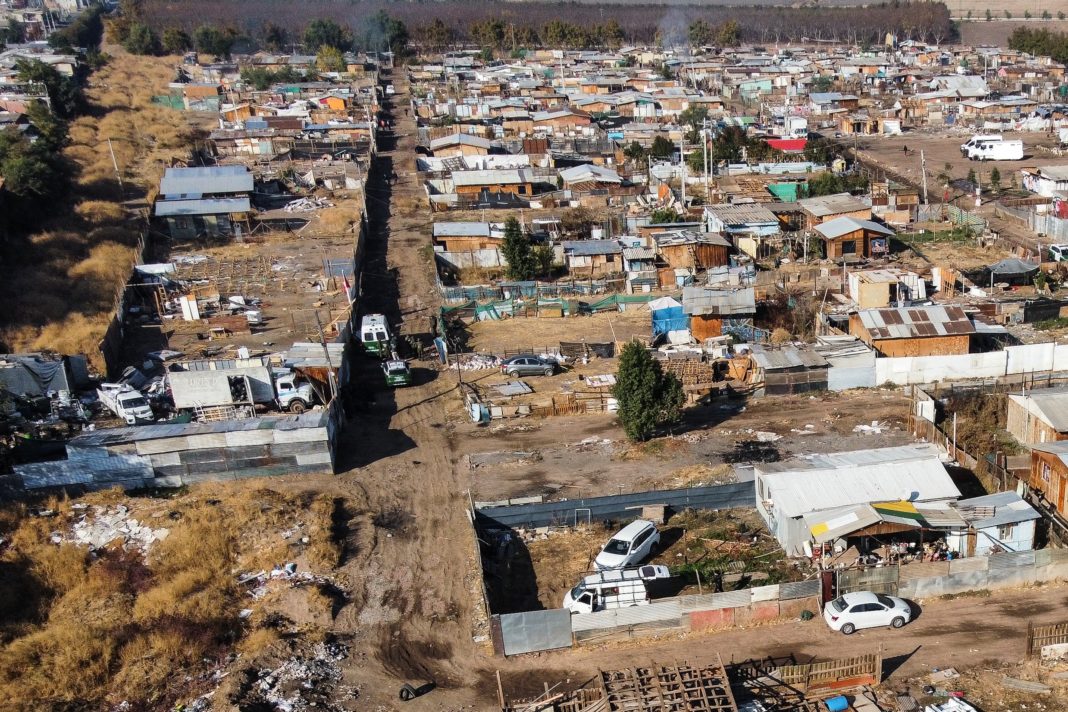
column 585, row 248
column 786, row 357
column 916, row 322
column 1051, row 407
column 828, row 481
column 1009, row 508
column 832, row 204
column 459, row 139
column 699, row 301
column 119, row 436
column 205, row 180
column 845, row 225
column 743, row 214
column 671, row 238
column 492, row 177
column 202, row 206
column 461, row 229
column 310, row 355
column 639, row 253
column 590, row 172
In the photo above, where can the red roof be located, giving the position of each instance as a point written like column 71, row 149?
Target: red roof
column 788, row 144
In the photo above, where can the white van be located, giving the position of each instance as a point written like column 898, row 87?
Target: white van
column 628, row 546
column 977, row 139
column 997, row 151
column 613, row 589
column 374, row 335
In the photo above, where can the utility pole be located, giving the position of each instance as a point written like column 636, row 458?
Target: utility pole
column 115, row 164
column 326, row 352
column 923, row 172
column 682, row 160
column 704, row 145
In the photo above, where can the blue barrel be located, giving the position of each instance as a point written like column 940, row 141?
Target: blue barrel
column 837, row 704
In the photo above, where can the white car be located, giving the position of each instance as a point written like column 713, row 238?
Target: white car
column 1058, row 253
column 864, row 609
column 629, row 546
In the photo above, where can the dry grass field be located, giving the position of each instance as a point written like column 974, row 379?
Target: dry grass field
column 60, row 283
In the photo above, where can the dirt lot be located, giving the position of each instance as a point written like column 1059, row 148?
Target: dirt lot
column 536, row 333
column 588, row 455
column 997, row 33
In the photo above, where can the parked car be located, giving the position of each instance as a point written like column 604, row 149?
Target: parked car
column 528, row 365
column 629, row 546
column 864, row 609
column 1058, row 253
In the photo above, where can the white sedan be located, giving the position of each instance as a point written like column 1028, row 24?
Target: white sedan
column 864, row 609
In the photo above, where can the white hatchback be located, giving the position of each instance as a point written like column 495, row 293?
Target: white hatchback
column 629, row 546
column 864, row 609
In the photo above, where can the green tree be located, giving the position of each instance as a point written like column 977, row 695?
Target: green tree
column 51, row 130
column 989, row 15
column 1046, row 15
column 275, row 37
column 664, row 216
column 86, row 31
column 1027, row 14
column 322, row 32
column 437, row 34
column 486, row 55
column 610, row 34
column 176, row 41
column 636, row 152
column 666, row 72
column 141, row 40
column 647, row 397
column 729, row 34
column 700, row 33
column 628, row 61
column 64, row 94
column 329, row 59
column 662, row 148
column 488, row 33
column 212, row 40
column 822, row 83
column 543, row 260
column 517, row 252
column 971, row 176
column 693, row 117
column 995, row 179
column 1060, row 15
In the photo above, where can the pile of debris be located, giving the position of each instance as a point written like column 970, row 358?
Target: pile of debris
column 306, row 205
column 105, row 525
column 304, row 682
column 261, row 581
column 477, row 362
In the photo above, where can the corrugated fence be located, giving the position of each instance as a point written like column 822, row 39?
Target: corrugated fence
column 624, row 506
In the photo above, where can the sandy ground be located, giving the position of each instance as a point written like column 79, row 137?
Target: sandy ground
column 535, row 333
column 588, row 455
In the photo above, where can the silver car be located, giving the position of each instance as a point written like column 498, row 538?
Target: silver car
column 527, row 365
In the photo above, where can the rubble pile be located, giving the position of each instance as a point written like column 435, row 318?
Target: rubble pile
column 306, row 205
column 261, row 581
column 307, row 681
column 102, row 526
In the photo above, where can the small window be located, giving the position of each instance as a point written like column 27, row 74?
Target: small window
column 1045, row 472
column 849, row 247
column 1005, row 531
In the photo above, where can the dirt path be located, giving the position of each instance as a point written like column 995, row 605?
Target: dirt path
column 410, row 543
column 961, row 633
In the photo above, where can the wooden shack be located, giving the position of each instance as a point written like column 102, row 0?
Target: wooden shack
column 914, row 331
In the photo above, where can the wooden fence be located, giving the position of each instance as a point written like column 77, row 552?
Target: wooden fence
column 1039, row 636
column 833, row 676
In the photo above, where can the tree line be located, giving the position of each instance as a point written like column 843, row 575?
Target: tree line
column 375, row 24
column 1040, row 43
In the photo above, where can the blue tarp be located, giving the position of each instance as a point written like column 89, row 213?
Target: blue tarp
column 670, row 319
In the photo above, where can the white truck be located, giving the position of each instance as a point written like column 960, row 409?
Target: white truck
column 997, row 151
column 247, row 385
column 618, row 588
column 795, row 127
column 978, row 139
column 126, row 403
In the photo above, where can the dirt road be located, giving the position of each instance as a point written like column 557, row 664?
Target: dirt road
column 410, row 542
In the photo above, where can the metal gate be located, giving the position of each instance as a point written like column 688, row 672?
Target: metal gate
column 535, row 630
column 879, row 580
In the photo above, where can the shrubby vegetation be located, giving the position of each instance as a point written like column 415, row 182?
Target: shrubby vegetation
column 1040, row 42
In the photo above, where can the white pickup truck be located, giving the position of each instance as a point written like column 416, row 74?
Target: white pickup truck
column 126, row 403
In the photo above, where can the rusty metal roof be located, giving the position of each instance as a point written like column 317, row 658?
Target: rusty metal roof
column 916, row 322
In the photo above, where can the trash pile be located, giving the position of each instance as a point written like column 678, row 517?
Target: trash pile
column 304, row 682
column 307, row 205
column 876, row 428
column 105, row 525
column 478, row 362
column 261, row 581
